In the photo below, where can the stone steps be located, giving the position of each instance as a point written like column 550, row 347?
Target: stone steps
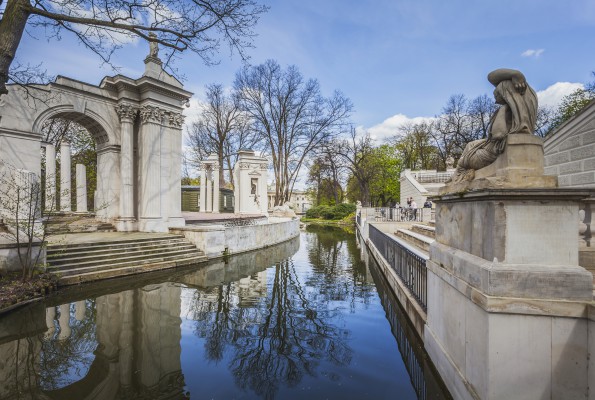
column 425, row 230
column 432, row 222
column 418, row 240
column 83, row 262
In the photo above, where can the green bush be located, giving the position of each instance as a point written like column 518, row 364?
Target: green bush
column 337, row 212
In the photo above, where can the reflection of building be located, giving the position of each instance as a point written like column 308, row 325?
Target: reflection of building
column 300, row 199
column 133, row 340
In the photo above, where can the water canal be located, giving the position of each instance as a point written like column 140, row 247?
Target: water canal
column 304, row 319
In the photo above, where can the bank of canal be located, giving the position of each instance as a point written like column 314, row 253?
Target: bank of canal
column 304, row 319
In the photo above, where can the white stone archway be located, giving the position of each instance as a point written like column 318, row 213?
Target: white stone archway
column 137, row 125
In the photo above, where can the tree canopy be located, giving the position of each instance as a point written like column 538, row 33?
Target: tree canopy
column 199, row 26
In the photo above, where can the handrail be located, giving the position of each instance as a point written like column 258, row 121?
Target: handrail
column 401, row 214
column 408, row 265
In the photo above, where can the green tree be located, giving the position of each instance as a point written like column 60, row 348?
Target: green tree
column 385, row 185
column 572, row 104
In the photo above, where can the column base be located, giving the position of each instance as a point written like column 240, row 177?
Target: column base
column 152, row 225
column 127, row 225
column 176, row 222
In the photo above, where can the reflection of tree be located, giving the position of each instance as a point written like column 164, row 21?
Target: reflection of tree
column 340, row 273
column 76, row 353
column 277, row 340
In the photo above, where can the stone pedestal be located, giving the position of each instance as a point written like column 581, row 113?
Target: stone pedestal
column 507, row 300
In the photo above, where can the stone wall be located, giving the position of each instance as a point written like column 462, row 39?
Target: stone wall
column 570, row 150
column 217, row 240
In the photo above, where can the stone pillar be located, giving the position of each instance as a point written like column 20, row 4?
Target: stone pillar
column 81, row 188
column 209, row 185
column 508, row 304
column 215, row 205
column 50, row 316
column 176, row 121
column 150, row 218
column 126, row 221
column 50, row 177
column 203, row 189
column 65, row 179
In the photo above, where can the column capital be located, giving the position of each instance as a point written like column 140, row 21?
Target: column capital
column 151, row 114
column 126, row 112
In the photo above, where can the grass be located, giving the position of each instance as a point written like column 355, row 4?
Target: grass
column 14, row 291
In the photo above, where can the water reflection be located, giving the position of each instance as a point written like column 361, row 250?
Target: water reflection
column 293, row 321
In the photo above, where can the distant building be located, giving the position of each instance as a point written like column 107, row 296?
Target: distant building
column 300, row 199
column 421, row 184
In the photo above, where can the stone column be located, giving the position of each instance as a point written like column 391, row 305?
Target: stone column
column 150, row 218
column 176, row 121
column 81, row 188
column 127, row 114
column 50, row 315
column 64, row 321
column 50, row 177
column 209, row 187
column 65, row 179
column 203, row 189
column 215, row 188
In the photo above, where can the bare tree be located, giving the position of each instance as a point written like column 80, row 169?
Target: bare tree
column 105, row 26
column 291, row 115
column 222, row 129
column 415, row 145
column 480, row 111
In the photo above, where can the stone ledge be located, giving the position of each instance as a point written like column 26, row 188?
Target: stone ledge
column 513, row 305
column 536, row 194
column 547, row 282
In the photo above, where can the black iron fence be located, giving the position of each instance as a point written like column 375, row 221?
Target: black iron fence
column 409, row 266
column 401, row 214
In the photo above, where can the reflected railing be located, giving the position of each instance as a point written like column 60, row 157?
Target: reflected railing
column 408, row 265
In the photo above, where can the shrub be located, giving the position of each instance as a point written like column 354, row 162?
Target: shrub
column 337, row 212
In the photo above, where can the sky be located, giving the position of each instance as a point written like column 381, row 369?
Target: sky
column 397, row 60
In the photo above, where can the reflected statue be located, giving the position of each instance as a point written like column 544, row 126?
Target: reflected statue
column 517, row 114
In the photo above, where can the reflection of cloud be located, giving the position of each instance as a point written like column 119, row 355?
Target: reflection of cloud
column 390, row 126
column 532, row 53
column 552, row 95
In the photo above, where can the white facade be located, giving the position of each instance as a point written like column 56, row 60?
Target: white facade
column 250, row 177
column 137, row 126
column 299, row 198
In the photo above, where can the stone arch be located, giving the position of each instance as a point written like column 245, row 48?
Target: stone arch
column 97, row 126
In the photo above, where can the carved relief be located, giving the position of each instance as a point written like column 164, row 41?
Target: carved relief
column 264, row 166
column 244, row 165
column 126, row 111
column 151, row 114
column 176, row 119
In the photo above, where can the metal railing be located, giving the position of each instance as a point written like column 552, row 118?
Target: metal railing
column 410, row 267
column 400, row 214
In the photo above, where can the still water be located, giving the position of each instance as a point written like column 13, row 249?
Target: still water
column 307, row 319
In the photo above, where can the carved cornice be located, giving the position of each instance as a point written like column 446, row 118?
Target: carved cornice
column 126, row 112
column 244, row 165
column 254, row 166
column 151, row 114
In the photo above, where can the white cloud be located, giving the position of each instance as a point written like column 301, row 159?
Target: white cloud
column 532, row 53
column 390, row 126
column 552, row 95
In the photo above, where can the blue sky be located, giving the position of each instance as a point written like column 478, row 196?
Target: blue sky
column 395, row 59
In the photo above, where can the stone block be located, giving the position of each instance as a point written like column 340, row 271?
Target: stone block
column 557, row 158
column 519, row 357
column 582, row 152
column 568, row 168
column 589, row 136
column 569, row 358
column 589, row 164
column 564, row 181
column 585, row 178
column 553, row 170
column 570, row 143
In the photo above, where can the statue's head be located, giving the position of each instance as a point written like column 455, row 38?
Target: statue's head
column 523, row 107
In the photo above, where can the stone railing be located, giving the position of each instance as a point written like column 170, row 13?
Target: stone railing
column 432, row 176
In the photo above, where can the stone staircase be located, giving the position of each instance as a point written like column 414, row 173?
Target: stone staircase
column 418, row 235
column 76, row 223
column 84, row 262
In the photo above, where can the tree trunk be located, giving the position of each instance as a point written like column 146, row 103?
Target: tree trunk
column 12, row 27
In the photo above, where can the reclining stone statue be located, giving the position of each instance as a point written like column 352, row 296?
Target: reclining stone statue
column 512, row 124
